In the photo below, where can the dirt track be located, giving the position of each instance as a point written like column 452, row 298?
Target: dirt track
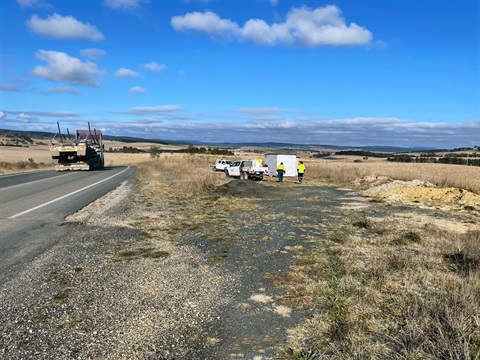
column 211, row 296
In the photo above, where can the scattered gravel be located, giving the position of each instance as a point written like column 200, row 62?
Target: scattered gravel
column 89, row 297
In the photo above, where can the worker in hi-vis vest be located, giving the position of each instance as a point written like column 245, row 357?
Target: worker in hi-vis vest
column 280, row 172
column 300, row 171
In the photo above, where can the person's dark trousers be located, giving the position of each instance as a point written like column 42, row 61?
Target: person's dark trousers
column 279, row 175
column 300, row 177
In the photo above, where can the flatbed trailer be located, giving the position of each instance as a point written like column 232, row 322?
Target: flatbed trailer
column 84, row 151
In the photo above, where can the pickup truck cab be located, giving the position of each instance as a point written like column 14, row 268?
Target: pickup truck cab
column 247, row 169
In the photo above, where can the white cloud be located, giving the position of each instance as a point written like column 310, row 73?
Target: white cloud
column 154, row 66
column 2, row 115
column 344, row 132
column 126, row 73
column 25, row 117
column 137, row 89
column 303, row 26
column 93, row 54
column 124, row 4
column 206, row 22
column 64, row 68
column 33, row 4
column 63, row 27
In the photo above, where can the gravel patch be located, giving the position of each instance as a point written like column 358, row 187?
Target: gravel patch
column 91, row 296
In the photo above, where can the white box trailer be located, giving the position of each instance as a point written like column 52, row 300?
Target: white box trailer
column 289, row 161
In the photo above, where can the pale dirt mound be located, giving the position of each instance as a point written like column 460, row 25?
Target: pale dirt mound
column 397, row 184
column 245, row 189
column 418, row 191
column 432, row 196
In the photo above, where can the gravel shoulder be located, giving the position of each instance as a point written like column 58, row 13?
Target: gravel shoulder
column 133, row 278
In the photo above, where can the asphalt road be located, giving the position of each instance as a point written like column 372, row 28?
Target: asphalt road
column 34, row 205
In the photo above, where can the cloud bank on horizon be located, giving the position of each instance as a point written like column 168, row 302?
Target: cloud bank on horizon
column 266, row 71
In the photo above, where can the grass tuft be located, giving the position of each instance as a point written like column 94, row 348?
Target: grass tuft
column 407, row 237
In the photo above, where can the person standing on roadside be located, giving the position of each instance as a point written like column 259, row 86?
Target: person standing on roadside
column 280, row 172
column 300, row 171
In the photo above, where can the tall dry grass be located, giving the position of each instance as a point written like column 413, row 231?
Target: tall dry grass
column 442, row 175
column 183, row 174
column 19, row 166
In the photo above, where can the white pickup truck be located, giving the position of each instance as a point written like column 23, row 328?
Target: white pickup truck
column 221, row 165
column 247, row 169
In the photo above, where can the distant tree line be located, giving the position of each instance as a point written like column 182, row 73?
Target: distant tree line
column 202, row 150
column 321, row 155
column 19, row 137
column 127, row 150
column 456, row 159
column 16, row 140
column 362, row 153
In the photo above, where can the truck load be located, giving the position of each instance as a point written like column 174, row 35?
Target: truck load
column 84, row 151
column 247, row 169
column 289, row 161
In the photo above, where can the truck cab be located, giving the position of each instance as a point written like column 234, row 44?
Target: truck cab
column 233, row 169
column 247, row 169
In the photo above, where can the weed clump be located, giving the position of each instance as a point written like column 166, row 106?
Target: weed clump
column 362, row 223
column 407, row 237
column 465, row 258
column 148, row 253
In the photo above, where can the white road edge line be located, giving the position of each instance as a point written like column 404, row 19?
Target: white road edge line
column 67, row 195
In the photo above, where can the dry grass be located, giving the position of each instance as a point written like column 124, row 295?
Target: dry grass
column 442, row 175
column 30, row 164
column 183, row 174
column 16, row 159
column 381, row 298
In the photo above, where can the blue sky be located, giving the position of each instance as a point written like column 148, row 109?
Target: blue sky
column 347, row 72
